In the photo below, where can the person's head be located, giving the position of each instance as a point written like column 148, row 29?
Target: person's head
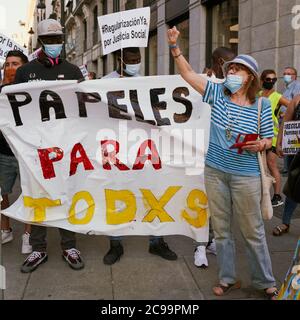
column 268, row 79
column 289, row 75
column 219, row 57
column 92, row 75
column 50, row 36
column 242, row 75
column 131, row 60
column 14, row 60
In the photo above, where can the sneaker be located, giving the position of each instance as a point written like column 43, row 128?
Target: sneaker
column 200, row 260
column 72, row 256
column 211, row 247
column 160, row 248
column 26, row 247
column 6, row 235
column 33, row 261
column 276, row 200
column 115, row 252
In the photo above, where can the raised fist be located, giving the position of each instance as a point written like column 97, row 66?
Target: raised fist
column 173, row 35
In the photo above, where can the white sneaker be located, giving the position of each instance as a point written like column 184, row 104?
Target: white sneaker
column 200, row 259
column 26, row 247
column 6, row 236
column 211, row 247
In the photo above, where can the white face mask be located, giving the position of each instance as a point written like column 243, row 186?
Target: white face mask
column 287, row 79
column 132, row 69
column 234, row 83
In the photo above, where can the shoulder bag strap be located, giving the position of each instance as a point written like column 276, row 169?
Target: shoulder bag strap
column 259, row 114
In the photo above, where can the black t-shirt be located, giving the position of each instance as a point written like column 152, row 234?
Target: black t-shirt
column 37, row 71
column 4, row 146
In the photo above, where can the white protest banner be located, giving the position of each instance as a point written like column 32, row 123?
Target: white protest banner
column 111, row 156
column 291, row 137
column 124, row 29
column 6, row 44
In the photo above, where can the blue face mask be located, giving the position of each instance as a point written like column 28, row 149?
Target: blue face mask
column 132, row 69
column 287, row 79
column 53, row 50
column 233, row 83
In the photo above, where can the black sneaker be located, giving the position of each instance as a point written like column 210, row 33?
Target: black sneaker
column 160, row 248
column 115, row 252
column 276, row 200
column 33, row 261
column 72, row 256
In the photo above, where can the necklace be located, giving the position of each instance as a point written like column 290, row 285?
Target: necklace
column 228, row 129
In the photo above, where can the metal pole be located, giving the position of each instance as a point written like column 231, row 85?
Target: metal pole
column 122, row 74
column 2, row 290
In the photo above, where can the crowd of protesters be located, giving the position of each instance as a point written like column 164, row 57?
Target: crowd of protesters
column 232, row 179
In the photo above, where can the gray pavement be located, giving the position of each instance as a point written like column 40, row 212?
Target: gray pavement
column 138, row 275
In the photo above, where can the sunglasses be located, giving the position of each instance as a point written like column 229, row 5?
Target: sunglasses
column 271, row 80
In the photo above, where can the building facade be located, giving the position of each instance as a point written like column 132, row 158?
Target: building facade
column 262, row 28
column 38, row 10
column 192, row 17
column 270, row 31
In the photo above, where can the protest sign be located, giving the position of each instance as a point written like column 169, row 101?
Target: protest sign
column 110, row 156
column 6, row 44
column 291, row 137
column 35, row 54
column 124, row 29
column 84, row 71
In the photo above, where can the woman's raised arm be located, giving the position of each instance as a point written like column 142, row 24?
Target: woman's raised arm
column 188, row 74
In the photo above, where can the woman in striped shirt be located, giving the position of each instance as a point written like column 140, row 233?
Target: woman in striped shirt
column 232, row 176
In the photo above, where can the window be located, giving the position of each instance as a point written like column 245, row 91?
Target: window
column 70, row 7
column 130, row 4
column 148, row 3
column 175, row 9
column 116, row 5
column 104, row 65
column 95, row 67
column 222, row 27
column 183, row 43
column 104, row 7
column 151, row 56
column 95, row 29
column 85, row 35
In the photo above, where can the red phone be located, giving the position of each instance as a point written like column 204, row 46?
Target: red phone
column 247, row 137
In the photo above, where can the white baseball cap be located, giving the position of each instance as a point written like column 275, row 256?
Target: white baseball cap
column 49, row 27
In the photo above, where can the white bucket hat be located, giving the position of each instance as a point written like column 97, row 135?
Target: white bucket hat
column 246, row 61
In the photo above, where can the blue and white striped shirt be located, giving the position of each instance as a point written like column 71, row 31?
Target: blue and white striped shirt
column 243, row 121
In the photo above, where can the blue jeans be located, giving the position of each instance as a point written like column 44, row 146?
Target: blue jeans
column 289, row 205
column 9, row 170
column 152, row 239
column 240, row 196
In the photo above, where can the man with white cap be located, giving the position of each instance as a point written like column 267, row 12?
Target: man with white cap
column 50, row 66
